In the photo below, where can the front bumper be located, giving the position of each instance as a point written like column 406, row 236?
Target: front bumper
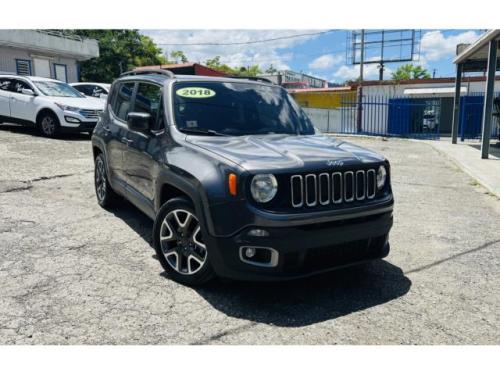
column 87, row 126
column 75, row 122
column 304, row 249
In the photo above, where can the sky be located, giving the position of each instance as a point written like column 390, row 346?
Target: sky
column 321, row 53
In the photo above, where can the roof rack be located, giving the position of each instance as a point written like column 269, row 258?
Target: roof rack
column 253, row 78
column 136, row 72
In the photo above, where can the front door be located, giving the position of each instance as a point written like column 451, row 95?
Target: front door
column 116, row 130
column 143, row 150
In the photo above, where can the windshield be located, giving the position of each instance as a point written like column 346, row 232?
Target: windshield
column 223, row 108
column 52, row 88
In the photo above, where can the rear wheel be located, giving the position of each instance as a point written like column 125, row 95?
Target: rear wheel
column 105, row 194
column 48, row 124
column 179, row 243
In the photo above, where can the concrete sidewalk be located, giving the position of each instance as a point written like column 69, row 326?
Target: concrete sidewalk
column 467, row 155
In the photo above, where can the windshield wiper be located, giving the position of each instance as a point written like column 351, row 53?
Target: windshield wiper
column 201, row 131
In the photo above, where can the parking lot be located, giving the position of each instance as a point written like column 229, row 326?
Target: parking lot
column 71, row 272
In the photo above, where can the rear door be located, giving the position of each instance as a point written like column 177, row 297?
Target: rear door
column 116, row 129
column 5, row 96
column 22, row 106
column 143, row 147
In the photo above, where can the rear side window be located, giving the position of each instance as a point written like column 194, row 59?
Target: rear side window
column 148, row 100
column 84, row 89
column 123, row 101
column 5, row 84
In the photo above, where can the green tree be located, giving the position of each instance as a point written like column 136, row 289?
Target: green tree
column 216, row 64
column 271, row 69
column 410, row 71
column 178, row 56
column 119, row 51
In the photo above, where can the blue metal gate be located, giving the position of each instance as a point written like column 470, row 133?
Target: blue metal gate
column 397, row 116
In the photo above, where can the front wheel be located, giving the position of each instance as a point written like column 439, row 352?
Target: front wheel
column 48, row 124
column 179, row 243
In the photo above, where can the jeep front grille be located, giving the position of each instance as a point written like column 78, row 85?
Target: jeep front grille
column 322, row 189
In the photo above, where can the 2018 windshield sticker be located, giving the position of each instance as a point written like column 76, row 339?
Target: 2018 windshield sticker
column 195, row 92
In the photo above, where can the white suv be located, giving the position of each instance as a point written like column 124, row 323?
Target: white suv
column 53, row 106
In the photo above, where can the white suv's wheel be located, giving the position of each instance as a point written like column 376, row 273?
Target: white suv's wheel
column 48, row 124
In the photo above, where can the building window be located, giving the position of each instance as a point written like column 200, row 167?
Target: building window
column 61, row 72
column 23, row 67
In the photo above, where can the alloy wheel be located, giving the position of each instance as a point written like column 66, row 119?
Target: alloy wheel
column 100, row 180
column 48, row 125
column 182, row 243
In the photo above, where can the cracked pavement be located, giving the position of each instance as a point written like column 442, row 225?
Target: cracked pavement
column 73, row 273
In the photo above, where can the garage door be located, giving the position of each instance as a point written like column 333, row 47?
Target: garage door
column 42, row 67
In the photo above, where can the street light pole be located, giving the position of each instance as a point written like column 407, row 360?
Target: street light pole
column 360, row 87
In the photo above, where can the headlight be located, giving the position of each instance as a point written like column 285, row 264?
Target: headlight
column 65, row 107
column 263, row 187
column 381, row 177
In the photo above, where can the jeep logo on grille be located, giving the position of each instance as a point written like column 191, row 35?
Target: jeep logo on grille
column 335, row 163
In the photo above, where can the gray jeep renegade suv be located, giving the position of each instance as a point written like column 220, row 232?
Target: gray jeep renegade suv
column 237, row 180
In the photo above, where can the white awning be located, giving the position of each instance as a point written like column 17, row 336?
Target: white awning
column 434, row 91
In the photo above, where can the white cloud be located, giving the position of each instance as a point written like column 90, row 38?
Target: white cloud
column 326, row 61
column 351, row 72
column 262, row 54
column 435, row 46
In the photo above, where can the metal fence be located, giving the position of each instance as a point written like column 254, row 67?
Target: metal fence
column 382, row 115
column 471, row 116
column 404, row 116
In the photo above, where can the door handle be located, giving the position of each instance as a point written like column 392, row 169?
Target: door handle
column 127, row 141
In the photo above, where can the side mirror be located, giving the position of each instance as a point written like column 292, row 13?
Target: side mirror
column 28, row 92
column 138, row 121
column 103, row 95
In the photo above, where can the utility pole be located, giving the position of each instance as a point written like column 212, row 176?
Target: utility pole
column 360, row 87
column 434, row 73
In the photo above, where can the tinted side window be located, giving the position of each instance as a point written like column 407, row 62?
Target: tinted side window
column 148, row 99
column 122, row 103
column 18, row 85
column 5, row 84
column 84, row 89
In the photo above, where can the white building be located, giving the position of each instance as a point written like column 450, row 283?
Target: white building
column 44, row 53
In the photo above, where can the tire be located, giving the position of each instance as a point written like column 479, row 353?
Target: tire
column 106, row 196
column 178, row 242
column 48, row 124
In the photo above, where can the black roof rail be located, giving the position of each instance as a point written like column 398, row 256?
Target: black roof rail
column 136, row 72
column 253, row 78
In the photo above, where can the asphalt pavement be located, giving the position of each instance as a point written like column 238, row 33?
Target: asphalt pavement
column 73, row 273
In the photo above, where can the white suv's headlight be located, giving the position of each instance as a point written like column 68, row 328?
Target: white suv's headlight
column 65, row 107
column 264, row 187
column 381, row 177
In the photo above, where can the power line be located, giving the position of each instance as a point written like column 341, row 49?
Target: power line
column 248, row 42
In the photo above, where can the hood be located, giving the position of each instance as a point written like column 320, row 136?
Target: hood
column 84, row 103
column 271, row 152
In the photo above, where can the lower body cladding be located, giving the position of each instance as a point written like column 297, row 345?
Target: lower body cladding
column 278, row 253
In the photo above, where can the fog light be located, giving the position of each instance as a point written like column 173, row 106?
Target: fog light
column 258, row 233
column 250, row 252
column 71, row 119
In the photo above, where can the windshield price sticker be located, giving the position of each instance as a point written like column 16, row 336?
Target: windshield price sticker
column 195, row 92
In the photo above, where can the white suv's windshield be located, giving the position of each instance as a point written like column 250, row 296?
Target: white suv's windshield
column 228, row 108
column 61, row 89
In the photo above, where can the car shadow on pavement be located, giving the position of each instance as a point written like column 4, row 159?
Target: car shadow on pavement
column 293, row 303
column 31, row 130
column 308, row 301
